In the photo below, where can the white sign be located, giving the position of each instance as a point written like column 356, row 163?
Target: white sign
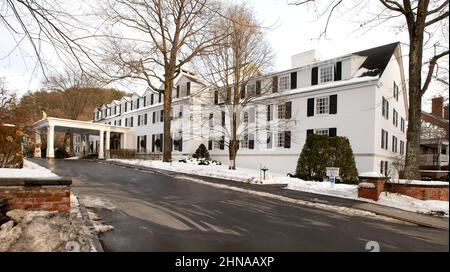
column 332, row 171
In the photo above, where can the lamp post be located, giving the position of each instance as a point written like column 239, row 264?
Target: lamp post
column 264, row 169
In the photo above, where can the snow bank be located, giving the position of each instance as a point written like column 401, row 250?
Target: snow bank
column 419, row 182
column 366, row 185
column 371, row 175
column 29, row 170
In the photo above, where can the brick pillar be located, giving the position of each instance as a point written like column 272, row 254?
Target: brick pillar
column 371, row 192
column 437, row 106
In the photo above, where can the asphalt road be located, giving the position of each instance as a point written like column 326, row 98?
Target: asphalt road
column 159, row 212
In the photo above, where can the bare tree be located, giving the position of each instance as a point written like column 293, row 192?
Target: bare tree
column 163, row 36
column 421, row 19
column 242, row 57
column 6, row 97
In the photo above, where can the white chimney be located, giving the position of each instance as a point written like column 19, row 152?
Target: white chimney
column 305, row 58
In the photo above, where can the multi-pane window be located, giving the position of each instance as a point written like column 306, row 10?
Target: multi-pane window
column 211, row 120
column 269, row 140
column 384, row 139
column 322, row 105
column 385, row 108
column 244, row 141
column 269, row 113
column 284, row 82
column 402, row 148
column 395, row 118
column 245, row 117
column 321, row 131
column 283, row 139
column 326, row 73
column 394, row 144
column 402, row 124
column 251, row 89
column 142, row 120
column 281, row 111
column 396, row 91
column 280, row 139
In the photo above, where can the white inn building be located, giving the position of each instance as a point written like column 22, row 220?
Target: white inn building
column 359, row 95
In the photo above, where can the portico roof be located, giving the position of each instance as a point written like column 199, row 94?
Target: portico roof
column 66, row 125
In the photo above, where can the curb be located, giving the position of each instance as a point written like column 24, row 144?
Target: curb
column 318, row 201
column 95, row 239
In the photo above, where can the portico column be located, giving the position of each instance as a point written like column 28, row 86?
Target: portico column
column 37, row 144
column 107, row 144
column 101, row 154
column 50, row 142
column 125, row 140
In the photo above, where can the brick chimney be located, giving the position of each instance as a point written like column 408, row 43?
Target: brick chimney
column 446, row 112
column 437, row 106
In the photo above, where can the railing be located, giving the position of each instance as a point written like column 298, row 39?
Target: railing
column 432, row 159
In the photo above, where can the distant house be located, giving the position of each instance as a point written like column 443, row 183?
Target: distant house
column 434, row 143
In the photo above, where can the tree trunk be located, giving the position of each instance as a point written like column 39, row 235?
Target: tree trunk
column 167, row 143
column 415, row 105
column 234, row 143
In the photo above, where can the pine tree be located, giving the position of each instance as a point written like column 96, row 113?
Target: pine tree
column 201, row 152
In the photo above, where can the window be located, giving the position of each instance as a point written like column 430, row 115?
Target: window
column 384, row 139
column 211, row 120
column 269, row 140
column 321, row 131
column 283, row 139
column 394, row 144
column 245, row 117
column 402, row 148
column 326, row 73
column 142, row 143
column 269, row 113
column 251, row 89
column 402, row 125
column 396, row 91
column 322, row 105
column 142, row 120
column 395, row 118
column 244, row 141
column 281, row 111
column 385, row 108
column 280, row 139
column 284, row 82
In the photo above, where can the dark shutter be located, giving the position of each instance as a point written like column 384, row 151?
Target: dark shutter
column 126, row 122
column 180, row 144
column 223, row 119
column 145, row 120
column 132, row 121
column 139, row 120
column 152, row 97
column 145, row 102
column 338, row 71
column 160, row 97
column 287, row 139
column 269, row 112
column 288, row 110
column 138, row 143
column 145, row 143
column 216, row 97
column 222, row 143
column 314, row 76
column 154, row 117
column 188, row 88
column 332, row 132
column 251, row 144
column 333, row 104
column 161, row 118
column 242, row 91
column 274, row 84
column 294, row 80
column 161, row 140
column 153, row 143
column 178, row 91
column 258, row 87
column 209, row 144
column 310, row 108
column 309, row 132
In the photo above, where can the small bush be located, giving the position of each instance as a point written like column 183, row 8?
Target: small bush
column 201, row 152
column 10, row 147
column 320, row 152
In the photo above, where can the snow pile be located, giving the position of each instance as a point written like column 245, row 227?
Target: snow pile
column 414, row 205
column 322, row 187
column 96, row 202
column 32, row 231
column 419, row 182
column 371, row 175
column 29, row 170
column 366, row 185
column 98, row 225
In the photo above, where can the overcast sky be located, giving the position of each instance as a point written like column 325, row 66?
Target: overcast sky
column 291, row 30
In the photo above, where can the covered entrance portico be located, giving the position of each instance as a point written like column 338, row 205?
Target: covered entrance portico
column 108, row 135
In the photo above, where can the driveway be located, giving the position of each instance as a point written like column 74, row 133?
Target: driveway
column 163, row 212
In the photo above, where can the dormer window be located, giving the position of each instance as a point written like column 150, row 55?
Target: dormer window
column 284, row 82
column 326, row 73
column 251, row 89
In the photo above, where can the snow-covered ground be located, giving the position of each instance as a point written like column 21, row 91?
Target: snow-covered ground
column 29, row 170
column 324, row 188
